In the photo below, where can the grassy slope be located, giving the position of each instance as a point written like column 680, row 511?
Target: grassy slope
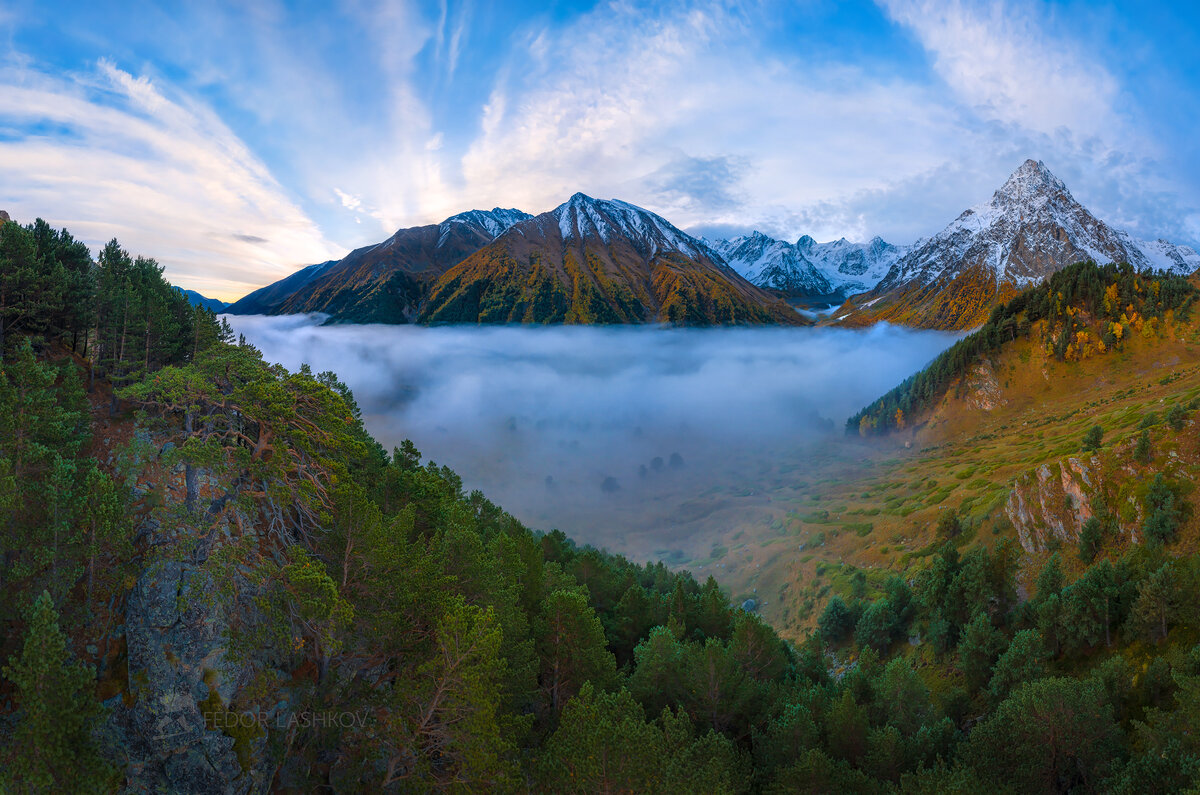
column 875, row 504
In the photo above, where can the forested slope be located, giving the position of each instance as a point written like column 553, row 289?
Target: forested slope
column 1080, row 311
column 214, row 580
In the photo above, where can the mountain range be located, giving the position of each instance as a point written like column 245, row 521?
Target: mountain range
column 608, row 261
column 586, row 261
column 807, row 268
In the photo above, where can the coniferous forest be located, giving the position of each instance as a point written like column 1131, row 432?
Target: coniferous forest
column 212, row 579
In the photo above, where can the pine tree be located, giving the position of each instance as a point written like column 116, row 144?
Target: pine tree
column 978, row 650
column 1091, row 539
column 53, row 748
column 1023, row 661
column 572, row 648
column 1053, row 735
column 1157, row 604
column 1141, row 450
column 836, row 621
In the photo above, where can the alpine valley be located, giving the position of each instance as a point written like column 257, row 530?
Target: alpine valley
column 215, row 579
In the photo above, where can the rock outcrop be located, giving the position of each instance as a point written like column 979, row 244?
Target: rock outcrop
column 1053, row 502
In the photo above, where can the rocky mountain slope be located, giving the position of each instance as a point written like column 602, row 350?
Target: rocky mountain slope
column 808, row 268
column 595, row 261
column 386, row 282
column 1031, row 227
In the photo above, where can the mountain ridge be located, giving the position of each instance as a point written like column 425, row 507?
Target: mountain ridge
column 1030, row 228
column 599, row 261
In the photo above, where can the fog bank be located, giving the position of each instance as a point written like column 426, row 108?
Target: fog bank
column 607, row 433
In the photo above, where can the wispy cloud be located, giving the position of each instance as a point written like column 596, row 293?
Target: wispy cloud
column 110, row 154
column 621, row 104
column 998, row 58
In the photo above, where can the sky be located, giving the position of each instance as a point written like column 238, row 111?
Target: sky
column 236, row 142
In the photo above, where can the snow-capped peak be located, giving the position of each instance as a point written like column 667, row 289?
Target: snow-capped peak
column 494, row 221
column 583, row 217
column 1030, row 182
column 807, row 267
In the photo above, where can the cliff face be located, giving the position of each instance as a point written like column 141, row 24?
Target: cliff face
column 1052, row 503
column 182, row 713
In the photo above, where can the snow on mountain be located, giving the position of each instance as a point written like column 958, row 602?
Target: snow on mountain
column 808, row 267
column 494, row 222
column 1167, row 256
column 772, row 263
column 1031, row 227
column 583, row 217
column 852, row 267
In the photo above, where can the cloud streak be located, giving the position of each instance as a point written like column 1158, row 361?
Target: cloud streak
column 108, row 155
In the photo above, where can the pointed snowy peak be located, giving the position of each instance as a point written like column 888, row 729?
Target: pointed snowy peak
column 1028, row 183
column 582, row 218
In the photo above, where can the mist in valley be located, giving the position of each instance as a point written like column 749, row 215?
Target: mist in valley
column 649, row 441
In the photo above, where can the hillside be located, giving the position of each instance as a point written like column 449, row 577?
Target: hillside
column 268, row 300
column 591, row 261
column 993, row 432
column 387, row 282
column 1031, row 228
column 208, row 303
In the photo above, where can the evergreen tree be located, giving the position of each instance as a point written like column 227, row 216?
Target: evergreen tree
column 53, row 748
column 1052, row 735
column 1023, row 661
column 1157, row 604
column 836, row 620
column 1164, row 512
column 571, row 645
column 1091, row 539
column 1141, row 450
column 977, row 652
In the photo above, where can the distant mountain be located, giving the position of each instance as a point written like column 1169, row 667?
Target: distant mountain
column 199, row 300
column 267, row 300
column 1032, row 227
column 595, row 261
column 808, row 268
column 387, row 282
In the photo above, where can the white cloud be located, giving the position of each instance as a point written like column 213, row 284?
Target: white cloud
column 998, row 59
column 107, row 154
column 616, row 102
column 352, row 203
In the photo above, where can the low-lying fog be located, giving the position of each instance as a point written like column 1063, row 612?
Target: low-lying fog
column 639, row 439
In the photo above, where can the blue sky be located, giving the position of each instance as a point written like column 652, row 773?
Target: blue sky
column 236, row 142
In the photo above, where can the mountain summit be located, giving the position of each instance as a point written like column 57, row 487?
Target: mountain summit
column 807, row 268
column 387, row 282
column 599, row 261
column 1031, row 227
